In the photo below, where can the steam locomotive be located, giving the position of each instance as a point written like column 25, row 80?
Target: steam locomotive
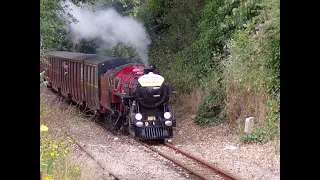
column 124, row 94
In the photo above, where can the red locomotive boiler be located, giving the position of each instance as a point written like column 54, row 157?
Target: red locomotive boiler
column 124, row 93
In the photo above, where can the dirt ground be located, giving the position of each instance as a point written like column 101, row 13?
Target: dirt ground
column 220, row 146
column 128, row 160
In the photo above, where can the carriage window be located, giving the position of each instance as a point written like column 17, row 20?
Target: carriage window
column 65, row 68
column 92, row 80
column 59, row 67
column 75, row 69
column 96, row 76
column 88, row 73
column 85, row 73
column 116, row 83
column 81, row 71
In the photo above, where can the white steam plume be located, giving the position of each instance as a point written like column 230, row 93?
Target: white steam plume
column 111, row 27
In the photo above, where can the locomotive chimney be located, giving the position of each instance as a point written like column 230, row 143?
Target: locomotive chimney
column 147, row 70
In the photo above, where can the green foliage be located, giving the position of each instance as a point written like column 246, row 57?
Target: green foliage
column 190, row 43
column 220, row 19
column 172, row 26
column 51, row 24
column 54, row 162
column 131, row 7
column 254, row 60
column 53, row 158
column 54, row 16
column 53, row 155
column 254, row 63
column 41, row 79
column 88, row 46
column 152, row 14
column 180, row 38
column 121, row 50
column 212, row 111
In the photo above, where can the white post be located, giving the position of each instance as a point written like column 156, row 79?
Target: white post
column 248, row 125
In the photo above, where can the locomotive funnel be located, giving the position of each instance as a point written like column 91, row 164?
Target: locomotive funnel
column 147, row 70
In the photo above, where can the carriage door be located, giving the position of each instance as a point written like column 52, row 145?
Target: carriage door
column 105, row 90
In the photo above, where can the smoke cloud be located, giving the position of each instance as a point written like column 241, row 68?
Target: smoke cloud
column 110, row 27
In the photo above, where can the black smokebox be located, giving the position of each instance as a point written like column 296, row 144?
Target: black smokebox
column 147, row 70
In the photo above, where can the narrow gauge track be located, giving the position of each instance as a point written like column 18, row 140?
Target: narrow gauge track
column 92, row 157
column 194, row 165
column 216, row 170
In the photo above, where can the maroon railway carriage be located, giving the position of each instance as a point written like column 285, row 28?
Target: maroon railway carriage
column 122, row 91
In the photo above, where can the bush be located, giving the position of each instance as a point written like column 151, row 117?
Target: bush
column 212, row 111
column 191, row 45
column 252, row 73
column 53, row 157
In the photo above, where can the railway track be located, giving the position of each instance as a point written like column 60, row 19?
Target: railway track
column 199, row 168
column 211, row 168
column 111, row 175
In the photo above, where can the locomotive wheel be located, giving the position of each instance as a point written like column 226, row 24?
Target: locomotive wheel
column 126, row 126
column 131, row 128
column 109, row 123
column 125, row 129
column 98, row 117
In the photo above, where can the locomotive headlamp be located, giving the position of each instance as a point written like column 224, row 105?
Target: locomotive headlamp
column 139, row 124
column 138, row 116
column 167, row 115
column 168, row 123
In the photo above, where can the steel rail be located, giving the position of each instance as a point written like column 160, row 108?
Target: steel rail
column 216, row 169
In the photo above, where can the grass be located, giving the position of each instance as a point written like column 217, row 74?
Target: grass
column 190, row 101
column 55, row 146
column 54, row 162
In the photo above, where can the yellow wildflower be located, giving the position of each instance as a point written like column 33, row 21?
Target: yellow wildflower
column 43, row 128
column 47, row 178
column 52, row 154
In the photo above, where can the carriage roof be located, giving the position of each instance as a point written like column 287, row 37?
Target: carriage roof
column 110, row 62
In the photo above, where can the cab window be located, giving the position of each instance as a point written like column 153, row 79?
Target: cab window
column 116, row 83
